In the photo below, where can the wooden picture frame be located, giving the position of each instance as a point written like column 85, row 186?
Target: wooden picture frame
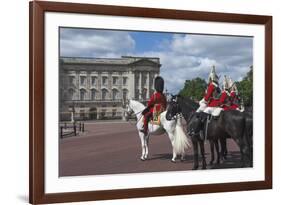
column 37, row 98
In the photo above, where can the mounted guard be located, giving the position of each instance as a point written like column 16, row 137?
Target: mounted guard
column 211, row 98
column 234, row 96
column 156, row 104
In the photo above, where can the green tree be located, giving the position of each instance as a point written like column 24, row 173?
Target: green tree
column 194, row 88
column 245, row 88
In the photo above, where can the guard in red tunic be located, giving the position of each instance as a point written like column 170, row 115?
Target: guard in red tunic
column 225, row 95
column 229, row 99
column 234, row 97
column 157, row 103
column 211, row 98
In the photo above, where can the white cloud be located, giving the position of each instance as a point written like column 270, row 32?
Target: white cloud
column 95, row 43
column 183, row 57
column 190, row 56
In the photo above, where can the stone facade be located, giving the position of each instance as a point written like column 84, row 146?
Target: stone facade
column 95, row 88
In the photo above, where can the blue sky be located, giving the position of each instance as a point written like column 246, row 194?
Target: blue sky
column 183, row 56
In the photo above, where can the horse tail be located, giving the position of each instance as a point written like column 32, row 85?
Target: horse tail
column 181, row 142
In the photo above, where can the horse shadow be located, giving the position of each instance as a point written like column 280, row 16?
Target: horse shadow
column 169, row 156
column 233, row 161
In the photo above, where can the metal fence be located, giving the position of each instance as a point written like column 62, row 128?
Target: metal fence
column 71, row 129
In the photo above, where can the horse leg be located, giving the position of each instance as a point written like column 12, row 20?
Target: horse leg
column 202, row 149
column 182, row 157
column 218, row 151
column 174, row 154
column 142, row 137
column 212, row 152
column 195, row 153
column 223, row 148
column 146, row 146
column 173, row 144
column 241, row 147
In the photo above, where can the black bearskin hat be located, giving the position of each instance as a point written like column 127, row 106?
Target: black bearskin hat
column 159, row 84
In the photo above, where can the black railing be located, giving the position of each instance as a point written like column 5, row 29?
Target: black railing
column 69, row 129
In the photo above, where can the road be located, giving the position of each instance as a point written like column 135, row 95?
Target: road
column 114, row 148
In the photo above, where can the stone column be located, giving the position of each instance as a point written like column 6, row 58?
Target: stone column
column 131, row 85
column 77, row 97
column 109, row 83
column 140, row 85
column 148, row 86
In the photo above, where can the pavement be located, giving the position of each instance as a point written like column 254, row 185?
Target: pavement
column 113, row 147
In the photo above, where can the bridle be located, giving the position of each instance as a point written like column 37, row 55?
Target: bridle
column 131, row 112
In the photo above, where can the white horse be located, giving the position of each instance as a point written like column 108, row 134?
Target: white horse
column 173, row 128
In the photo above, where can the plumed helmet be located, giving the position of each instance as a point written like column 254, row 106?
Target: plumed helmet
column 159, row 84
column 225, row 85
column 232, row 85
column 213, row 77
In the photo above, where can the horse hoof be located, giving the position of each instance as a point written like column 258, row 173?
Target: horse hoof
column 142, row 159
column 174, row 161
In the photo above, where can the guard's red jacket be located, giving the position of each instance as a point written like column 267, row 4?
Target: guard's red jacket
column 233, row 98
column 157, row 100
column 224, row 100
column 209, row 96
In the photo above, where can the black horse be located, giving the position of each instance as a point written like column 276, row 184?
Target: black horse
column 187, row 108
column 230, row 123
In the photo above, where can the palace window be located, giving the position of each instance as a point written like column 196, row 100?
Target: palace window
column 93, row 94
column 104, row 94
column 144, row 92
column 94, row 80
column 114, row 111
column 104, row 80
column 70, row 94
column 125, row 79
column 83, row 80
column 71, row 80
column 114, row 80
column 125, row 94
column 114, row 94
column 137, row 94
column 103, row 113
column 144, row 80
column 82, row 94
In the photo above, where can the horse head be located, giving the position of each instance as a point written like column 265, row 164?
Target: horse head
column 173, row 108
column 128, row 111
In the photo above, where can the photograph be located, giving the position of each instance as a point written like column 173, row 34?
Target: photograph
column 129, row 102
column 147, row 101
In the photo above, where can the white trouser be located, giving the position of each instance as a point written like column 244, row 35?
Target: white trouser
column 215, row 111
column 202, row 105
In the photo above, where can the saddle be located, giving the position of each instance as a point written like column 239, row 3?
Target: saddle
column 157, row 110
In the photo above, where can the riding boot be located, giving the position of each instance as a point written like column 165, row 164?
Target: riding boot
column 144, row 130
column 201, row 135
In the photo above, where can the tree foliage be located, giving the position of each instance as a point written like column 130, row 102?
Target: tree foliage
column 245, row 88
column 194, row 88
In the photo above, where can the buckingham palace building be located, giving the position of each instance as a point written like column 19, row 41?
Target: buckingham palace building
column 96, row 88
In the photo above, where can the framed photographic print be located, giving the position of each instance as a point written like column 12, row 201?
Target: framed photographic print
column 139, row 102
